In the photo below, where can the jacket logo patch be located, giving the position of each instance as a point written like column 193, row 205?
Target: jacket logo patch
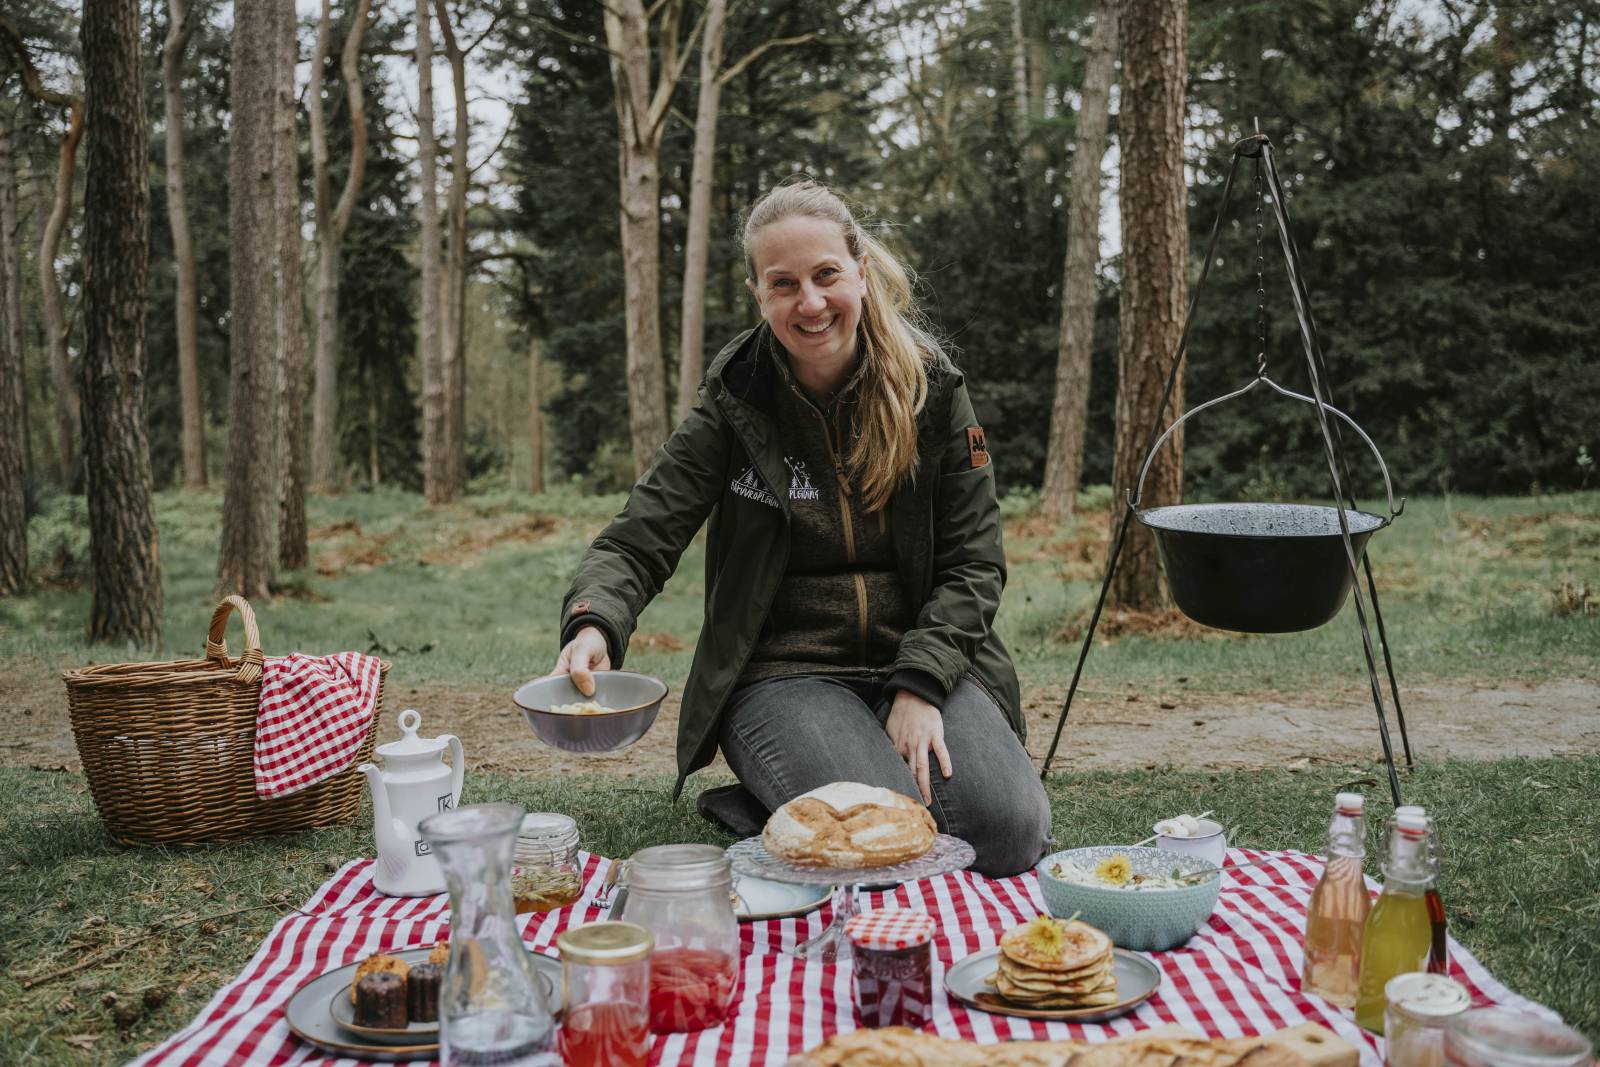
column 749, row 486
column 800, row 487
column 579, row 607
column 977, row 450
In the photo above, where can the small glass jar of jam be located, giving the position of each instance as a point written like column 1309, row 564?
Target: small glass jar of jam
column 893, row 967
column 545, row 874
column 605, row 995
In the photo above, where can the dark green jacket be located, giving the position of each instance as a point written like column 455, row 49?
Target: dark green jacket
column 726, row 462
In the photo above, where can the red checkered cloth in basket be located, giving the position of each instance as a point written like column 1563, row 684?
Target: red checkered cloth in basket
column 315, row 712
column 1238, row 976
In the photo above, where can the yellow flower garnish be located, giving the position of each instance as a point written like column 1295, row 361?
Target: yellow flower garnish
column 1114, row 870
column 1046, row 937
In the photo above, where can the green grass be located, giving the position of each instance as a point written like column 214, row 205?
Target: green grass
column 1521, row 865
column 1466, row 584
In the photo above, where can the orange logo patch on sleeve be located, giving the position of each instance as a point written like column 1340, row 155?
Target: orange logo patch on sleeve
column 579, row 607
column 977, row 451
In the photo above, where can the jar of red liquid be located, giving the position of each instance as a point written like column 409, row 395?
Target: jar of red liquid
column 683, row 894
column 605, row 995
column 893, row 967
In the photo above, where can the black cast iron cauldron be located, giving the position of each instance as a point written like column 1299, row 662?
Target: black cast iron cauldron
column 1259, row 568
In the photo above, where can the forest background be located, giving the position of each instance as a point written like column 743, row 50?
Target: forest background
column 1439, row 161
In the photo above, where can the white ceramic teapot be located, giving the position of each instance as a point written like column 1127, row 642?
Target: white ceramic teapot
column 413, row 784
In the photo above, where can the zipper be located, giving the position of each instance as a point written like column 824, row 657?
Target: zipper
column 845, row 493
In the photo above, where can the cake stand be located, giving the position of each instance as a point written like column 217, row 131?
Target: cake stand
column 751, row 857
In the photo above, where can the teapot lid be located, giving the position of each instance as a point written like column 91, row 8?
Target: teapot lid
column 410, row 744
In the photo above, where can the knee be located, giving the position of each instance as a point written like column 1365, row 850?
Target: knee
column 1011, row 829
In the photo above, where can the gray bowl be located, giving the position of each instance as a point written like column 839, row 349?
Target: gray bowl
column 1148, row 920
column 637, row 698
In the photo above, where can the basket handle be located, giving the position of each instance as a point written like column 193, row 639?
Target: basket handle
column 1388, row 487
column 217, row 640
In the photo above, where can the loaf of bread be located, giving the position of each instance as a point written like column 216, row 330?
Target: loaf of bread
column 899, row 1047
column 847, row 824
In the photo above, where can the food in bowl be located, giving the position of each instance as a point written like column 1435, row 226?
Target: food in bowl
column 1160, row 911
column 581, row 707
column 848, row 824
column 1116, row 872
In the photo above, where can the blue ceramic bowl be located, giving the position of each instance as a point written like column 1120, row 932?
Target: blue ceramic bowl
column 1147, row 920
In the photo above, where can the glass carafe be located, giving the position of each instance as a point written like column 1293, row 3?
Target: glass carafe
column 490, row 1007
column 683, row 894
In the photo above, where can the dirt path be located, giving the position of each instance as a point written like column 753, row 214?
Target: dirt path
column 1108, row 729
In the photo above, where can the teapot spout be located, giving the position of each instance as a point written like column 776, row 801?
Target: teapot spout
column 392, row 842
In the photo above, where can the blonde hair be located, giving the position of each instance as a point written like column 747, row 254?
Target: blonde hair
column 895, row 343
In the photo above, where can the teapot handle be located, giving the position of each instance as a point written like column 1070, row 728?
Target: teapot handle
column 458, row 767
column 217, row 641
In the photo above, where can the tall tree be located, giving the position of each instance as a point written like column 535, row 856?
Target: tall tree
column 642, row 104
column 1019, row 62
column 125, row 558
column 332, row 221
column 437, row 485
column 453, row 319
column 250, row 491
column 1155, row 278
column 63, row 389
column 179, row 30
column 289, row 280
column 1063, row 467
column 535, row 414
column 13, row 449
column 697, row 239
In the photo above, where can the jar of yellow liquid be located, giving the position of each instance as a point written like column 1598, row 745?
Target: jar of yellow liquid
column 1399, row 931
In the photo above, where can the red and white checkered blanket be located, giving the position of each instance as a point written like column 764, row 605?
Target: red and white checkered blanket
column 1238, row 976
column 315, row 711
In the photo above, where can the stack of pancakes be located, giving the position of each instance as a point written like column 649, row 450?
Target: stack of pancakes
column 1053, row 963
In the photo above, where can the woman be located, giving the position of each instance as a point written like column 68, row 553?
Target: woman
column 853, row 557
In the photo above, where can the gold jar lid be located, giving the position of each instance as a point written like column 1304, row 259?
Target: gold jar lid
column 605, row 943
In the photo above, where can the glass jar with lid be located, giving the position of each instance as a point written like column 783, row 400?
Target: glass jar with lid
column 605, row 995
column 893, row 953
column 1499, row 1037
column 1420, row 1007
column 683, row 894
column 545, row 873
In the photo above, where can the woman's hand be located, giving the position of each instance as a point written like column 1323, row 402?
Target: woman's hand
column 586, row 653
column 914, row 727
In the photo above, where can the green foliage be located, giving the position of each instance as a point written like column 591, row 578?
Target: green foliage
column 58, row 541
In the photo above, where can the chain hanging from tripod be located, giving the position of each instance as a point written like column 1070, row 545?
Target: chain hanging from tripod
column 1261, row 282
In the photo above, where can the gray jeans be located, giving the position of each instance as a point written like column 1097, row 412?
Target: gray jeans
column 786, row 736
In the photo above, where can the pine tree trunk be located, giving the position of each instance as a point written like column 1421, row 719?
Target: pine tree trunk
column 697, row 242
column 290, row 325
column 13, row 449
column 1019, row 64
column 436, row 483
column 250, row 492
column 332, row 222
column 1155, row 260
column 125, row 558
column 1063, row 469
column 639, row 170
column 453, row 322
column 62, row 386
column 536, row 415
column 190, row 400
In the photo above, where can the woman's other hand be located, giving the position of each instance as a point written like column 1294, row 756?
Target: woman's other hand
column 586, row 653
column 915, row 726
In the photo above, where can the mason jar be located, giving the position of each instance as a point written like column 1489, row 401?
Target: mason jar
column 1499, row 1037
column 545, row 873
column 1420, row 1007
column 683, row 894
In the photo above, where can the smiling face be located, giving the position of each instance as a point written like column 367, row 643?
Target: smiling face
column 809, row 289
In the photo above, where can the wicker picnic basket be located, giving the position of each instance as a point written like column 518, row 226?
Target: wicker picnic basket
column 169, row 748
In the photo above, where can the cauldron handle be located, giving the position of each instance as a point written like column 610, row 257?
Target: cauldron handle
column 1388, row 486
